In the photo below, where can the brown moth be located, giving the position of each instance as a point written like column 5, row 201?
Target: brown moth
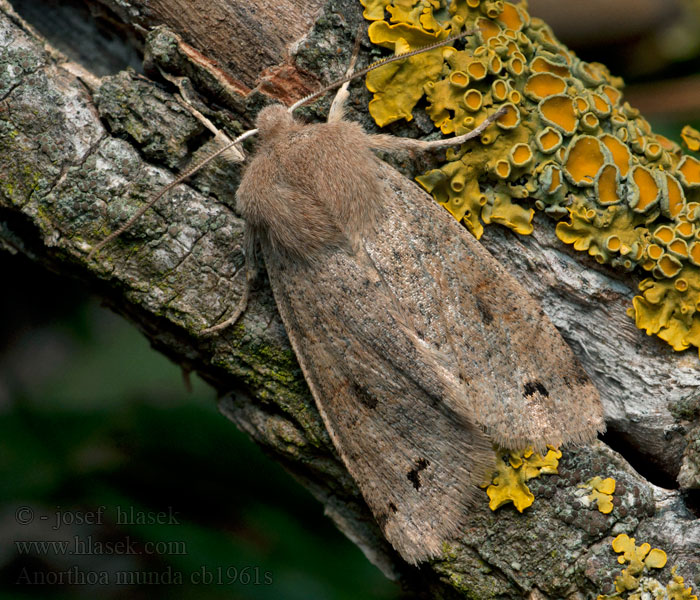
column 420, row 350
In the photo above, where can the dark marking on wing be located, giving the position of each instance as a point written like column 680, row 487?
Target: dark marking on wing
column 364, row 396
column 413, row 474
column 533, row 387
column 486, row 314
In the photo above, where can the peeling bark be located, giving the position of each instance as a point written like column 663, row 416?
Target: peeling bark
column 80, row 154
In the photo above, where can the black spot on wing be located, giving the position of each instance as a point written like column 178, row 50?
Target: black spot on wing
column 364, row 396
column 484, row 310
column 413, row 474
column 533, row 387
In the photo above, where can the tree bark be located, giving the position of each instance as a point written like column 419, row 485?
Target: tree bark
column 81, row 153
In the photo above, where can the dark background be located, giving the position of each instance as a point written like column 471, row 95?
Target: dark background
column 91, row 416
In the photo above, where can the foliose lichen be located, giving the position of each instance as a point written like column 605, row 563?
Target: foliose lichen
column 600, row 493
column 636, row 582
column 508, row 481
column 568, row 145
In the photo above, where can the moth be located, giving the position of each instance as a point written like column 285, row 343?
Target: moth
column 420, row 350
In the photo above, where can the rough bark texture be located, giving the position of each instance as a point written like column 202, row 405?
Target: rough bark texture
column 80, row 153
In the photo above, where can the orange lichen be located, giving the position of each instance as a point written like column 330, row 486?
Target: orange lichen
column 694, row 253
column 589, row 122
column 542, row 85
column 581, row 105
column 664, row 234
column 495, row 65
column 516, row 66
column 499, row 90
column 613, row 94
column 549, row 140
column 459, row 79
column 685, row 229
column 502, row 169
column 689, row 169
column 477, row 70
column 621, row 181
column 511, row 17
column 668, row 266
column 487, row 28
column 620, row 153
column 652, row 150
column 679, row 248
column 541, row 65
column 584, row 159
column 691, row 138
column 555, row 180
column 559, row 111
column 510, row 118
column 654, row 252
column 647, row 193
column 673, row 200
column 600, row 105
column 607, row 186
column 473, row 100
column 520, row 155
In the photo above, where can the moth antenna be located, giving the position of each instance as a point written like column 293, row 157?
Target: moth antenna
column 250, row 132
column 188, row 173
column 377, row 64
column 382, row 141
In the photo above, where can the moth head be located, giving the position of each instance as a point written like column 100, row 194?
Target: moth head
column 273, row 120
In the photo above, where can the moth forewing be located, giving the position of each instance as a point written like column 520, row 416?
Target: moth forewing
column 419, row 349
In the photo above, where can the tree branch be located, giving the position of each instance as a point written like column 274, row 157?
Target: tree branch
column 80, row 153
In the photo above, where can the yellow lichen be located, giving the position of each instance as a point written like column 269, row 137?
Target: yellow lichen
column 583, row 160
column 691, row 138
column 508, row 482
column 646, row 192
column 620, row 153
column 559, row 112
column 667, row 311
column 549, row 140
column 510, row 118
column 542, row 65
column 607, row 189
column 636, row 581
column 601, row 489
column 689, row 170
column 676, row 589
column 567, row 144
column 542, row 85
column 639, row 559
column 520, row 155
